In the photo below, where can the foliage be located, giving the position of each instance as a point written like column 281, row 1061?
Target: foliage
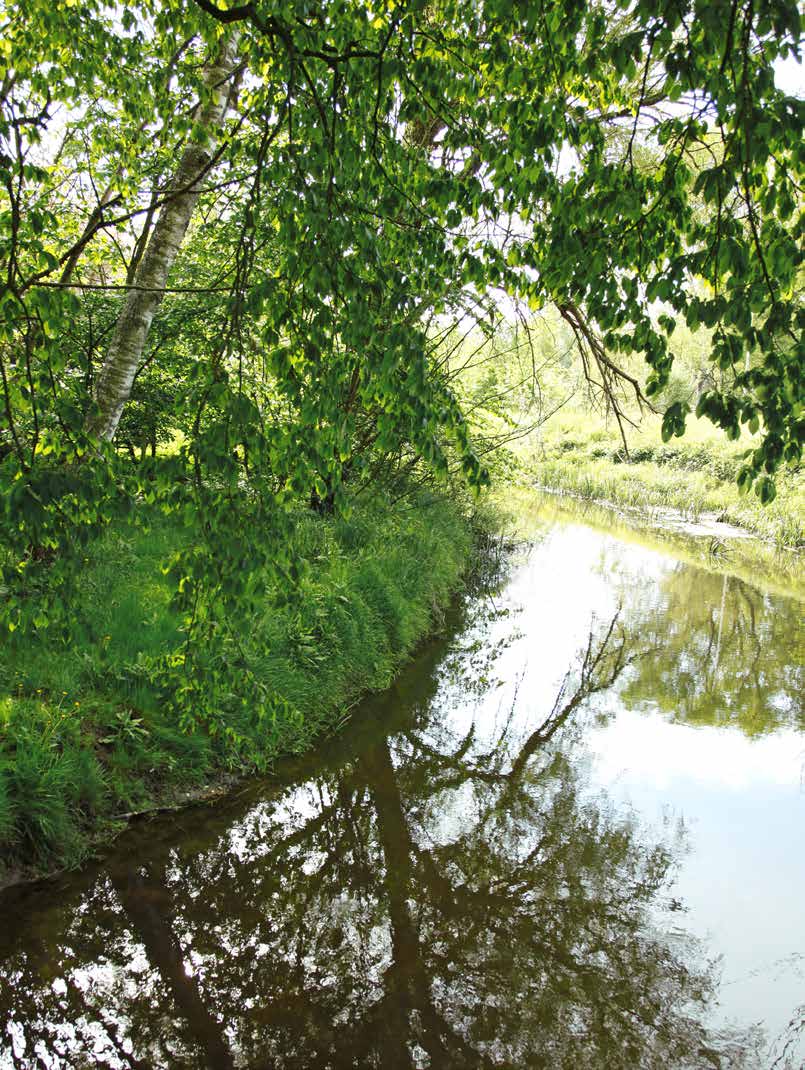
column 529, row 403
column 92, row 730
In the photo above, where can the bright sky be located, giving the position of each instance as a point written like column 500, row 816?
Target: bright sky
column 789, row 75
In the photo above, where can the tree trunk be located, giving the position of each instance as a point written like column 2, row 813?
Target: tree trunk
column 113, row 385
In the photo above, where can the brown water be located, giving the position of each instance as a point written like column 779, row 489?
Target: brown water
column 571, row 835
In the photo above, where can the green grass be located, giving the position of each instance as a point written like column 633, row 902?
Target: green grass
column 695, row 475
column 85, row 734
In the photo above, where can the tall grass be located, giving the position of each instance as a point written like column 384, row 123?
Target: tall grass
column 84, row 735
column 580, row 456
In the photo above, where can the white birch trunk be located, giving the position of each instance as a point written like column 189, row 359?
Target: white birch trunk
column 114, row 382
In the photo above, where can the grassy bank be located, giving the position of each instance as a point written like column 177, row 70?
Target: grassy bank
column 84, row 735
column 580, row 455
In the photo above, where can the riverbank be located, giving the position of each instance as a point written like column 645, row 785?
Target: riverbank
column 85, row 740
column 695, row 475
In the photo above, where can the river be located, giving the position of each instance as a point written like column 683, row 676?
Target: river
column 571, row 835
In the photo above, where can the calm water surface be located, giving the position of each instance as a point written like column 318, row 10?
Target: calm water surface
column 572, row 835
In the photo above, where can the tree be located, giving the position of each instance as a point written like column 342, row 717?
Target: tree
column 123, row 358
column 386, row 172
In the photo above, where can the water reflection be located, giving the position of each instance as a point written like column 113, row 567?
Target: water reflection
column 431, row 902
column 448, row 886
column 724, row 652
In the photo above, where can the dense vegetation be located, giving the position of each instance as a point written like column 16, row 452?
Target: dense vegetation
column 558, row 434
column 89, row 731
column 239, row 244
column 695, row 478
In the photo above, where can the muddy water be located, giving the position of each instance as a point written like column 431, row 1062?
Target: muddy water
column 571, row 835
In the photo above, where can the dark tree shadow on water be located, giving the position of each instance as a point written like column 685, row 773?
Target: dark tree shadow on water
column 434, row 898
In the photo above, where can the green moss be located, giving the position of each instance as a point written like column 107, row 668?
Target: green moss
column 84, row 733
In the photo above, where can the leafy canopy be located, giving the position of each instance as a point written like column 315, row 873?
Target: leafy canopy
column 385, row 171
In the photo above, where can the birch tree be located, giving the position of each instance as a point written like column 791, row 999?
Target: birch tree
column 113, row 385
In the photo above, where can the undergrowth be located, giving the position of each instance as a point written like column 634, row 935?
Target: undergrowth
column 693, row 477
column 85, row 735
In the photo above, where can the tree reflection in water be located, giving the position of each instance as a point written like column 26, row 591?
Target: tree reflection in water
column 724, row 653
column 439, row 898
